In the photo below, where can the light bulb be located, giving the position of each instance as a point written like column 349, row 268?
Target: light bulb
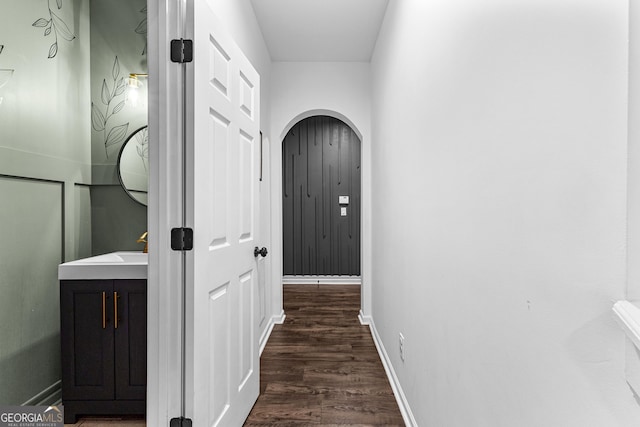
column 132, row 96
column 133, row 81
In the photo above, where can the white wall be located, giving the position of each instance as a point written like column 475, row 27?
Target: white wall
column 339, row 89
column 633, row 183
column 500, row 141
column 633, row 277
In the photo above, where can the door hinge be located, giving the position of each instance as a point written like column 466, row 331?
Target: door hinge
column 181, row 239
column 181, row 50
column 180, row 422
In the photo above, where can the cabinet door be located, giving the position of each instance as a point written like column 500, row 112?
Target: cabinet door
column 87, row 340
column 130, row 338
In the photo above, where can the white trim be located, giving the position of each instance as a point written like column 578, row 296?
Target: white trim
column 322, row 280
column 403, row 404
column 628, row 317
column 364, row 320
column 164, row 292
column 274, row 320
column 275, row 169
column 49, row 396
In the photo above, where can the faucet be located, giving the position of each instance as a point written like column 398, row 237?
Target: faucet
column 143, row 239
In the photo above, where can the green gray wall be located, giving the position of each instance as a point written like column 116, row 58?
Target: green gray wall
column 61, row 199
column 45, row 171
column 117, row 30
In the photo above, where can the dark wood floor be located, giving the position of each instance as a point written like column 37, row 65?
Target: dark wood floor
column 321, row 366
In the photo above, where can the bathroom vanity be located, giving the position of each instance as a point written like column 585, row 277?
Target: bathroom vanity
column 103, row 302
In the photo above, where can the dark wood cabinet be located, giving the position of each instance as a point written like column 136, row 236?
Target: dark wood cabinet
column 104, row 347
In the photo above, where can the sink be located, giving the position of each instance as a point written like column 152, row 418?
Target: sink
column 114, row 265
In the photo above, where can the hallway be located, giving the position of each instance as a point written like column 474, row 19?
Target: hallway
column 321, row 366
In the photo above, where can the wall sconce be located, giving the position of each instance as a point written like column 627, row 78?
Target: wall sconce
column 133, row 79
column 134, row 85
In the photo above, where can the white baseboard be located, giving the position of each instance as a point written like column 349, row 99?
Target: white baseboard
column 49, row 396
column 403, row 404
column 274, row 320
column 322, row 280
column 364, row 320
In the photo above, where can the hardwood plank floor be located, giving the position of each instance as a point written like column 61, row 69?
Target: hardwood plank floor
column 321, row 367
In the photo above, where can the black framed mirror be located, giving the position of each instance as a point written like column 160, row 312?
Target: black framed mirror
column 133, row 165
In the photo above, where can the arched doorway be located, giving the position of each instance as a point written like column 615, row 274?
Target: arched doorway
column 321, row 200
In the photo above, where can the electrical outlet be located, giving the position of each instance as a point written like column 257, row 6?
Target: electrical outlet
column 401, row 341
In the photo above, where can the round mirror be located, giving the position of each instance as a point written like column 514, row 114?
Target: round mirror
column 133, row 165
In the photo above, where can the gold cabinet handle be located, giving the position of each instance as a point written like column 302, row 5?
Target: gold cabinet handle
column 104, row 310
column 115, row 309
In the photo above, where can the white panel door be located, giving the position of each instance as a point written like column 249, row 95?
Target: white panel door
column 222, row 360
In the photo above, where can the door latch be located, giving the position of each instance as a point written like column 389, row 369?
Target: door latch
column 257, row 251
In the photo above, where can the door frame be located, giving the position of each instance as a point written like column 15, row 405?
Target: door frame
column 164, row 335
column 165, row 363
column 277, row 276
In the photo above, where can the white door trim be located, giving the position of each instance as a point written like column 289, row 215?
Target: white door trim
column 164, row 212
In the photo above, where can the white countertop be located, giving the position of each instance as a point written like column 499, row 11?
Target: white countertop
column 115, row 265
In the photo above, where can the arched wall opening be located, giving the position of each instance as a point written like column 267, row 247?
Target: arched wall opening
column 321, row 202
column 282, row 122
column 319, row 112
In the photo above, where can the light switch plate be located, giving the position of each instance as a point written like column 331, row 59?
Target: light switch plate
column 343, row 200
column 343, row 211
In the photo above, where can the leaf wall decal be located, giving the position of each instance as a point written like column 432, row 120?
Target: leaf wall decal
column 118, row 107
column 100, row 117
column 120, row 88
column 106, row 98
column 61, row 28
column 97, row 118
column 116, row 135
column 40, row 23
column 53, row 50
column 142, row 27
column 57, row 25
column 115, row 71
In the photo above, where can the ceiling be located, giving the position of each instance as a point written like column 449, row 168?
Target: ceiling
column 320, row 30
